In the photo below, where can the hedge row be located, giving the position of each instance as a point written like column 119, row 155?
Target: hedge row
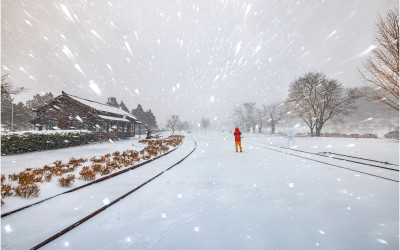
column 392, row 135
column 29, row 142
column 349, row 136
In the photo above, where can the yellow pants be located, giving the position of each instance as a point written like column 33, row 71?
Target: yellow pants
column 240, row 145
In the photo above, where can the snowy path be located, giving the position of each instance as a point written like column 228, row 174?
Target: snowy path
column 260, row 199
column 37, row 223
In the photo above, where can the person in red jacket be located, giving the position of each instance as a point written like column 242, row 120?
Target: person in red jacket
column 237, row 139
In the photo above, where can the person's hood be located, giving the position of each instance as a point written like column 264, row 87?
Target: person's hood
column 236, row 130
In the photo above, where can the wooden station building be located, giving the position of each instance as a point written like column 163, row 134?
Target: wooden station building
column 68, row 112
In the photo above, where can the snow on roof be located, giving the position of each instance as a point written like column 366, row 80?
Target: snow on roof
column 102, row 107
column 113, row 118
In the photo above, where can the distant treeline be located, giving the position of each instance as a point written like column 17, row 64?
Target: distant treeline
column 147, row 117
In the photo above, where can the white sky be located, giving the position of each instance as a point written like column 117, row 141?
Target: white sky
column 189, row 58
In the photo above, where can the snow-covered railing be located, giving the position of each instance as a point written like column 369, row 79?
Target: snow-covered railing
column 22, row 142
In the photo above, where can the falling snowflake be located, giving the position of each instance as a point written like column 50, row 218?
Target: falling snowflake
column 8, row 228
column 106, row 201
column 382, row 241
column 94, row 87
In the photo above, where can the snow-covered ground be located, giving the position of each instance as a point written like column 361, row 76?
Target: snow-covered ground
column 219, row 199
column 376, row 149
column 16, row 163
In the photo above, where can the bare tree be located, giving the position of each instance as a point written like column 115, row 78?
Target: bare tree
column 173, row 123
column 238, row 116
column 274, row 115
column 8, row 88
column 260, row 118
column 381, row 70
column 249, row 112
column 316, row 99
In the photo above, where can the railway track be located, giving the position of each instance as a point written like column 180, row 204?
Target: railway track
column 343, row 158
column 318, row 158
column 93, row 214
column 359, row 158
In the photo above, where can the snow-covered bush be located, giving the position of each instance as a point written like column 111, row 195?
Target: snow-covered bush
column 87, row 174
column 106, row 170
column 67, row 181
column 27, row 191
column 13, row 177
column 16, row 143
column 47, row 176
column 6, row 190
column 28, row 177
column 114, row 165
column 96, row 168
column 348, row 136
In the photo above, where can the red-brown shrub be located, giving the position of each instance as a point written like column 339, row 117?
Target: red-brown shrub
column 27, row 191
column 96, row 168
column 106, row 170
column 57, row 171
column 26, row 178
column 146, row 157
column 6, row 190
column 67, row 181
column 87, row 174
column 13, row 177
column 114, row 165
column 47, row 176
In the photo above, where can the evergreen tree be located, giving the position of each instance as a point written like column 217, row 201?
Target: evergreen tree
column 39, row 99
column 112, row 101
column 147, row 117
column 150, row 120
column 139, row 113
column 6, row 102
column 22, row 117
column 123, row 107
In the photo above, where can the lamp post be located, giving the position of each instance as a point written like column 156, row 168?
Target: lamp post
column 12, row 117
